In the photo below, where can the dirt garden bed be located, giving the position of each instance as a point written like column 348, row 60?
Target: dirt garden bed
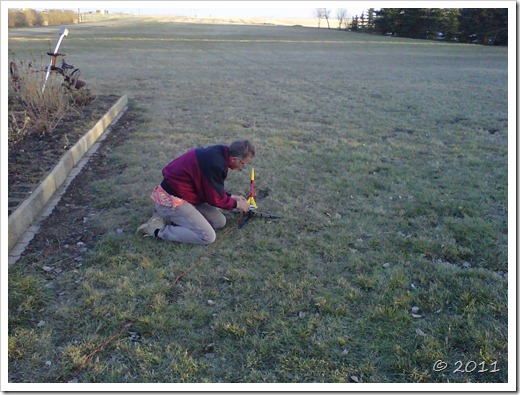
column 34, row 156
column 63, row 236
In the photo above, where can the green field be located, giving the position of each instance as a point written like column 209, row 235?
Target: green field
column 387, row 159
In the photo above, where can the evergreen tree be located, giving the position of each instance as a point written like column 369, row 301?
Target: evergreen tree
column 449, row 23
column 414, row 23
column 371, row 15
column 361, row 23
column 355, row 24
column 386, row 21
column 483, row 25
column 479, row 25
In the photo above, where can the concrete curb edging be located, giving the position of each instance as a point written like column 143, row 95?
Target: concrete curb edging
column 22, row 218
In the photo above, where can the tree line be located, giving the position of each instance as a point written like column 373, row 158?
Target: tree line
column 23, row 17
column 486, row 26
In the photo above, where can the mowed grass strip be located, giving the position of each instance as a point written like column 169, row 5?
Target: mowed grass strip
column 388, row 165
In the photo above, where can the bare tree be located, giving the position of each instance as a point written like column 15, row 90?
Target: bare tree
column 341, row 15
column 326, row 15
column 320, row 14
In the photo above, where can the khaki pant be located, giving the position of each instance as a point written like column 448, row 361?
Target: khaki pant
column 191, row 224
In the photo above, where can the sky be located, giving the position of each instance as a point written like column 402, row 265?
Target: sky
column 264, row 9
column 273, row 9
column 240, row 8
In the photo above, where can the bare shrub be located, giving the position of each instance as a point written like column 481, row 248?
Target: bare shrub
column 80, row 97
column 18, row 123
column 33, row 18
column 60, row 17
column 15, row 18
column 34, row 111
column 30, row 17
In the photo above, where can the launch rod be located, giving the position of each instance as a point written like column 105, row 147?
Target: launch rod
column 63, row 32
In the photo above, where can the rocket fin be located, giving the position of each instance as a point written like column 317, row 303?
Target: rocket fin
column 252, row 202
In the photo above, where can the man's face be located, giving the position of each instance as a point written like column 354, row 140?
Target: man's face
column 236, row 163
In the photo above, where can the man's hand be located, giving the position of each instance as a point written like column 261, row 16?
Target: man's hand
column 242, row 203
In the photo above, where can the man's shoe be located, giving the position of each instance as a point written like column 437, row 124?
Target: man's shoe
column 150, row 226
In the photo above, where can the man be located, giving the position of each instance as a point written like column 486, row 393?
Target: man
column 188, row 200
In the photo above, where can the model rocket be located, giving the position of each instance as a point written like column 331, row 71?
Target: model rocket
column 252, row 213
column 251, row 200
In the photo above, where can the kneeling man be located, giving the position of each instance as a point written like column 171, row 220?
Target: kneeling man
column 189, row 199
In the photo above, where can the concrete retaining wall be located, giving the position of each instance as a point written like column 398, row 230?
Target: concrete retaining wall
column 28, row 211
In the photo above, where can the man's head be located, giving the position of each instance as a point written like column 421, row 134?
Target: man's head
column 241, row 152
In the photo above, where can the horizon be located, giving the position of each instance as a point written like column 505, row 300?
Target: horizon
column 258, row 9
column 249, row 8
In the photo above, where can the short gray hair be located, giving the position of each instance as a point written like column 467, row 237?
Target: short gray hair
column 242, row 149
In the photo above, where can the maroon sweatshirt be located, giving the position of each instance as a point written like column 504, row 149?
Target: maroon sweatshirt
column 198, row 177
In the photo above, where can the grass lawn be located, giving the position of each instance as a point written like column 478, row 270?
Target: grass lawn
column 387, row 159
